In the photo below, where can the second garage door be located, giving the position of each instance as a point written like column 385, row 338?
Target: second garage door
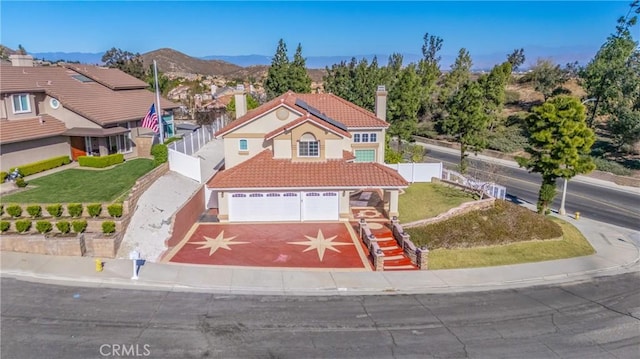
column 320, row 206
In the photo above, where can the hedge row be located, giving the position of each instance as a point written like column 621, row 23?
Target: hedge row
column 3, row 176
column 40, row 166
column 43, row 226
column 101, row 161
column 55, row 210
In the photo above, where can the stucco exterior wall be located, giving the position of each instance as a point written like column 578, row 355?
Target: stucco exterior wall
column 267, row 122
column 232, row 154
column 282, row 146
column 7, row 107
column 20, row 153
column 378, row 145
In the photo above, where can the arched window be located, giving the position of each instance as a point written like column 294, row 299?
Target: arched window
column 308, row 146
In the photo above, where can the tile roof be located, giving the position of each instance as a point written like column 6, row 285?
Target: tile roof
column 305, row 119
column 112, row 78
column 333, row 106
column 348, row 156
column 263, row 171
column 91, row 100
column 30, row 129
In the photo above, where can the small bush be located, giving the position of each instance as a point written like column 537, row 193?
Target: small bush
column 44, row 226
column 172, row 139
column 74, row 209
column 108, row 227
column 160, row 154
column 94, row 209
column 14, row 210
column 79, row 226
column 1, row 209
column 63, row 226
column 54, row 210
column 511, row 97
column 606, row 166
column 101, row 161
column 115, row 210
column 35, row 211
column 21, row 183
column 3, row 176
column 23, row 225
column 4, row 226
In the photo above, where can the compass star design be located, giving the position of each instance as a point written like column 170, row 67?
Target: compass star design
column 321, row 244
column 216, row 243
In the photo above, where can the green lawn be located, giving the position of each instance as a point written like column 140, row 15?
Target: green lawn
column 81, row 185
column 426, row 200
column 508, row 234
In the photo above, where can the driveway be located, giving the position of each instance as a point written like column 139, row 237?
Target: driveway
column 317, row 245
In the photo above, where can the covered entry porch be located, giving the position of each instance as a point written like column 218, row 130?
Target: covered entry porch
column 99, row 141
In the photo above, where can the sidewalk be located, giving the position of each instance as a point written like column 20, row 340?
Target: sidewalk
column 617, row 252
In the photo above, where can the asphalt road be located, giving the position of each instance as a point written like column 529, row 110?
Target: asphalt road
column 598, row 319
column 605, row 204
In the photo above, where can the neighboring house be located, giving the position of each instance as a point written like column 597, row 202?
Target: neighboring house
column 300, row 157
column 72, row 110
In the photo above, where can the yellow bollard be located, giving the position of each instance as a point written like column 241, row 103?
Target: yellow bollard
column 99, row 265
column 577, row 215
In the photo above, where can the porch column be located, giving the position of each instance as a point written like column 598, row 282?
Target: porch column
column 345, row 207
column 393, row 201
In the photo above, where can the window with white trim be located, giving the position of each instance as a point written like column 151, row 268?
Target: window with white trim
column 21, row 103
column 308, row 146
column 373, row 137
column 356, row 137
column 244, row 146
column 365, row 137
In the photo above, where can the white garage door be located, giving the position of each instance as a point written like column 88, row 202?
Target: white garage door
column 264, row 206
column 320, row 206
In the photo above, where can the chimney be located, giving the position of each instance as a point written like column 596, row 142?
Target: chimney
column 241, row 101
column 21, row 60
column 381, row 103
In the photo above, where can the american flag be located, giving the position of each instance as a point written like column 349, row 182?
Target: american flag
column 150, row 120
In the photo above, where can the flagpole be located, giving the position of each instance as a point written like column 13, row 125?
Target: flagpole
column 158, row 109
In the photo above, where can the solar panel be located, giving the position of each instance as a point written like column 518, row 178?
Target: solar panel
column 314, row 111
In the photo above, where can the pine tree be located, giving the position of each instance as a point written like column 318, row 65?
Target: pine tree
column 277, row 81
column 299, row 80
column 404, row 103
column 559, row 144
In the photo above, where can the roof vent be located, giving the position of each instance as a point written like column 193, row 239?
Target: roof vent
column 382, row 88
column 240, row 87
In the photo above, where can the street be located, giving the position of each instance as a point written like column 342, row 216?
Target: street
column 605, row 204
column 596, row 319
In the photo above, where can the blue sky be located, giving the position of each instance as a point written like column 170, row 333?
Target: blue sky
column 201, row 28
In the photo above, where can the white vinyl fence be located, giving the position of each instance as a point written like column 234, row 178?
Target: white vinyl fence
column 490, row 188
column 182, row 158
column 418, row 172
column 192, row 142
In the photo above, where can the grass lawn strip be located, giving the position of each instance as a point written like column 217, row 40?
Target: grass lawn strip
column 78, row 185
column 426, row 200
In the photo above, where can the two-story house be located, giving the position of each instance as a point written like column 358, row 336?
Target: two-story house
column 299, row 157
column 72, row 110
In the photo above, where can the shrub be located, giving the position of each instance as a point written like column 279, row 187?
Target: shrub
column 160, row 154
column 4, row 226
column 101, row 161
column 172, row 139
column 36, row 167
column 14, row 210
column 94, row 209
column 1, row 209
column 23, row 225
column 108, row 227
column 63, row 226
column 609, row 166
column 20, row 182
column 79, row 226
column 508, row 139
column 3, row 176
column 34, row 211
column 511, row 97
column 74, row 209
column 44, row 226
column 54, row 210
column 115, row 210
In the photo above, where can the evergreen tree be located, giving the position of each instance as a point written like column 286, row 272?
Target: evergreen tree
column 493, row 86
column 546, row 77
column 125, row 61
column 277, row 81
column 299, row 80
column 429, row 72
column 459, row 75
column 403, row 106
column 559, row 144
column 466, row 120
column 516, row 58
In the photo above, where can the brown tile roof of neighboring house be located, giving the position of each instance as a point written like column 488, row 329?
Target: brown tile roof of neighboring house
column 112, row 78
column 305, row 119
column 348, row 156
column 91, row 100
column 263, row 171
column 30, row 129
column 333, row 106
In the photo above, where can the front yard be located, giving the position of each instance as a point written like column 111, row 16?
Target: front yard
column 506, row 234
column 83, row 185
column 426, row 200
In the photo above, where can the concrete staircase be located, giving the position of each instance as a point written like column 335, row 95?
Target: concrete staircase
column 394, row 257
